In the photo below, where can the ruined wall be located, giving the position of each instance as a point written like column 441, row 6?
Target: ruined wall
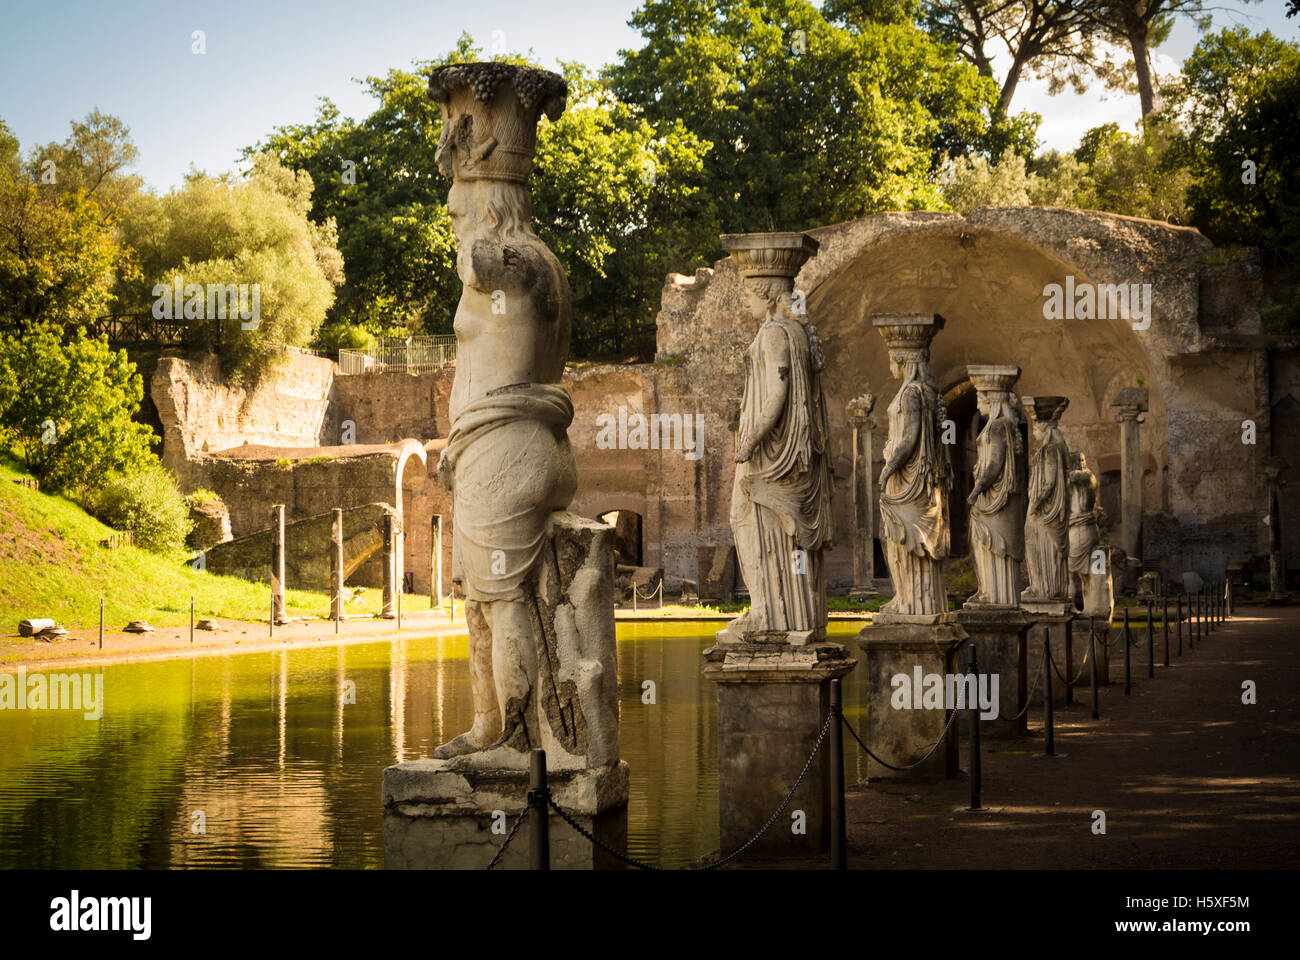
column 307, row 546
column 201, row 414
column 985, row 273
column 1201, row 358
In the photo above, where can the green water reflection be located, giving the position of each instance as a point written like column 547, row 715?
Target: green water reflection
column 286, row 774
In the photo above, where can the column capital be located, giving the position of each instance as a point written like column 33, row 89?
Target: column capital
column 859, row 409
column 1132, row 403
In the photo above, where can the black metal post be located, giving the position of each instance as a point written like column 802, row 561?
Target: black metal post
column 1128, row 673
column 839, row 835
column 1164, row 619
column 1069, row 661
column 1092, row 653
column 101, row 623
column 191, row 619
column 538, row 796
column 1179, row 615
column 1050, row 746
column 976, row 773
column 1151, row 642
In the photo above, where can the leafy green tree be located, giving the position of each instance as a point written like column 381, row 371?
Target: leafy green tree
column 1143, row 24
column 1238, row 103
column 219, row 232
column 810, row 122
column 94, row 159
column 67, row 407
column 10, row 162
column 1051, row 39
column 1138, row 176
column 59, row 256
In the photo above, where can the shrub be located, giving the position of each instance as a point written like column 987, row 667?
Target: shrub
column 67, row 408
column 148, row 503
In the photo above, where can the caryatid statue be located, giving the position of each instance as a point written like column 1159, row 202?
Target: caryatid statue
column 781, row 496
column 916, row 478
column 1048, row 520
column 997, row 498
column 1085, row 541
column 507, row 462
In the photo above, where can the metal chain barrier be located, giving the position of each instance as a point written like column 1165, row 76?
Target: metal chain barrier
column 911, row 766
column 1029, row 697
column 642, row 865
column 1082, row 667
column 501, row 851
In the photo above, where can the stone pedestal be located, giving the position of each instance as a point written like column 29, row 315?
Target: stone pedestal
column 773, row 698
column 999, row 635
column 900, row 729
column 441, row 814
column 1055, row 619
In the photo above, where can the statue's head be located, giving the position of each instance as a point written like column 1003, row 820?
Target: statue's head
column 907, row 337
column 490, row 113
column 769, row 297
column 768, row 264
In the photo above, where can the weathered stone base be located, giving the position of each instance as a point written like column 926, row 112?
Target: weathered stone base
column 999, row 636
column 439, row 815
column 1055, row 618
column 772, row 701
column 903, row 736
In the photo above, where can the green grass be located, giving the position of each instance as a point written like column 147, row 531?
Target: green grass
column 51, row 565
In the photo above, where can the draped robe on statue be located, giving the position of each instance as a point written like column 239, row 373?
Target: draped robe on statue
column 1047, row 528
column 914, row 506
column 997, row 518
column 781, row 497
column 513, row 466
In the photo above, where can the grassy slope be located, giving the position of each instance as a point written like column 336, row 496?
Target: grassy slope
column 51, row 565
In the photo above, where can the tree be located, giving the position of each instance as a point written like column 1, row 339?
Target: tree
column 1143, row 24
column 1138, row 176
column 58, row 256
column 67, row 407
column 1238, row 102
column 215, row 235
column 92, row 159
column 810, row 122
column 1054, row 39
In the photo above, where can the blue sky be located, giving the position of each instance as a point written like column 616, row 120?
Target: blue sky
column 268, row 62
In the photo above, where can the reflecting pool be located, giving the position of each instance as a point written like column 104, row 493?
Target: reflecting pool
column 264, row 752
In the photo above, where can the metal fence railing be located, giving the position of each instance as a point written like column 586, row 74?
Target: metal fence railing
column 412, row 355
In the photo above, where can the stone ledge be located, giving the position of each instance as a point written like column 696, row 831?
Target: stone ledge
column 454, row 788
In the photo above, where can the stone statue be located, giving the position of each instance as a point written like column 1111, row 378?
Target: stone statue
column 997, row 498
column 507, row 462
column 781, row 496
column 1085, row 539
column 917, row 474
column 1047, row 525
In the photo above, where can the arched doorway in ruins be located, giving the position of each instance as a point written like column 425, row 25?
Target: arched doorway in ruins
column 988, row 283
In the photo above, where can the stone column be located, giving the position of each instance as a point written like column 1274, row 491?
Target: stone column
column 277, row 563
column 1276, row 559
column 772, row 701
column 388, row 529
column 435, row 573
column 336, row 566
column 864, row 527
column 1132, row 404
